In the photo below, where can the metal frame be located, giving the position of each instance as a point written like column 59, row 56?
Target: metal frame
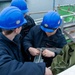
column 64, row 26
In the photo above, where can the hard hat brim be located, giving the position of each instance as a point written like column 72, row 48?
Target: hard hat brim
column 46, row 30
column 25, row 11
column 7, row 28
column 24, row 22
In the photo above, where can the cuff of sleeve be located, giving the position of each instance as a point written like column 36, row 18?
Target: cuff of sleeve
column 55, row 54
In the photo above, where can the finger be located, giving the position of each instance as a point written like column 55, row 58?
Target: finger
column 45, row 55
column 37, row 53
column 44, row 52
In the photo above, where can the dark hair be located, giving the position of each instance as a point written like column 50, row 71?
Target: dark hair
column 7, row 32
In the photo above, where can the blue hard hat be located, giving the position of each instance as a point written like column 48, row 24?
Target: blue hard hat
column 11, row 17
column 51, row 21
column 21, row 4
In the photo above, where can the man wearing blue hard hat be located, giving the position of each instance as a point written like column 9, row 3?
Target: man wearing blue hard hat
column 11, row 59
column 22, row 5
column 45, row 36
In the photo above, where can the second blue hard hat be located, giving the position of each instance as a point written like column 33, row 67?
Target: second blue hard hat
column 21, row 4
column 51, row 21
column 11, row 18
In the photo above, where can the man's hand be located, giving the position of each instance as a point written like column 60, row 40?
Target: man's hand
column 48, row 71
column 48, row 53
column 34, row 51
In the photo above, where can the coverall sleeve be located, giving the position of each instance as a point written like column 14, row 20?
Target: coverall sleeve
column 11, row 66
column 28, row 40
column 62, row 41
